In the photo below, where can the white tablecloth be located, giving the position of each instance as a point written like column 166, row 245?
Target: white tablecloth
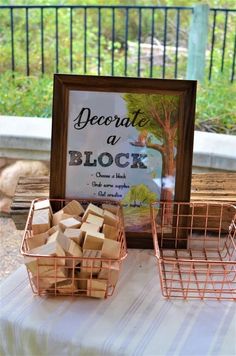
column 136, row 320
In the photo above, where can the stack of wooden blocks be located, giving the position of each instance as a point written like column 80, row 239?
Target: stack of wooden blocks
column 75, row 250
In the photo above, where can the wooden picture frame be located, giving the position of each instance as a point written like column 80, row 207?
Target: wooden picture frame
column 150, row 108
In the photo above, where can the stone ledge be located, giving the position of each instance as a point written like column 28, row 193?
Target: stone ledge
column 30, row 138
column 214, row 151
column 25, row 137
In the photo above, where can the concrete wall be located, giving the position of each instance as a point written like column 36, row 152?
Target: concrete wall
column 30, row 138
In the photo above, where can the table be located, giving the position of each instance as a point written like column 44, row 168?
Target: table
column 136, row 320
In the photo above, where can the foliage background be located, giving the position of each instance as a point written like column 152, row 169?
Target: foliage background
column 32, row 96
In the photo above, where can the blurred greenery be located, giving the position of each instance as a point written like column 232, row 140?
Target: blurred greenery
column 216, row 106
column 32, row 96
column 25, row 96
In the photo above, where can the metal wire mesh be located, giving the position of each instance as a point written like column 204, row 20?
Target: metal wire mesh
column 74, row 276
column 195, row 246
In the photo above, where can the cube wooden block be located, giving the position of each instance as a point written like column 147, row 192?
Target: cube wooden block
column 87, row 227
column 74, row 234
column 96, row 293
column 92, row 209
column 51, row 250
column 60, row 238
column 93, row 241
column 96, row 220
column 42, row 284
column 96, row 288
column 58, row 216
column 73, row 250
column 43, row 204
column 110, row 272
column 37, row 240
column 69, row 223
column 53, row 229
column 41, row 221
column 38, row 265
column 83, row 279
column 111, row 207
column 111, row 249
column 73, row 208
column 66, row 287
column 110, row 218
column 58, row 274
column 47, row 279
column 110, row 232
column 93, row 266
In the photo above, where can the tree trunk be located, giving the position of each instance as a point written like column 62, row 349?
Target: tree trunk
column 168, row 172
column 168, row 179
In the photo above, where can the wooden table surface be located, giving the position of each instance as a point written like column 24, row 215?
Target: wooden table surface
column 212, row 187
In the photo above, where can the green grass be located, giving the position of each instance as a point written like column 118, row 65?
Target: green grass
column 32, row 96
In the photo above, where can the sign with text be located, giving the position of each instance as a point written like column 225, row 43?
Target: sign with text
column 121, row 139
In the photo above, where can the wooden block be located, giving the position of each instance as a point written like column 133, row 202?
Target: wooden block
column 110, row 272
column 43, row 204
column 93, row 241
column 66, row 287
column 58, row 216
column 69, row 223
column 53, row 229
column 75, row 251
column 60, row 238
column 88, row 265
column 48, row 249
column 110, row 218
column 96, row 220
column 111, row 249
column 50, row 277
column 87, row 227
column 83, row 279
column 51, row 250
column 113, row 208
column 96, row 288
column 74, row 234
column 37, row 240
column 58, row 274
column 41, row 221
column 110, row 232
column 96, row 293
column 73, row 208
column 38, row 265
column 92, row 209
column 42, row 284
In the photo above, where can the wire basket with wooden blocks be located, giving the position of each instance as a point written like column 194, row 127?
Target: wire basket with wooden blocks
column 195, row 246
column 74, row 247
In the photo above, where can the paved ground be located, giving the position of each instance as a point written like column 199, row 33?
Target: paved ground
column 10, row 240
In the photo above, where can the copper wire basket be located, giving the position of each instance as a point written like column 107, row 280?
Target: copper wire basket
column 195, row 247
column 68, row 268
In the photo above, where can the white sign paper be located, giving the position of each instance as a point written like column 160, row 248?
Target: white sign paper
column 108, row 157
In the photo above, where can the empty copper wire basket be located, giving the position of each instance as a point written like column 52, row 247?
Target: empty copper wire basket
column 195, row 246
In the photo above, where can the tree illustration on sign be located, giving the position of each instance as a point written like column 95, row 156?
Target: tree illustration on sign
column 161, row 114
column 139, row 195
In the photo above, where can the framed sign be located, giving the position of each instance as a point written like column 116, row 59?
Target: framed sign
column 126, row 139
